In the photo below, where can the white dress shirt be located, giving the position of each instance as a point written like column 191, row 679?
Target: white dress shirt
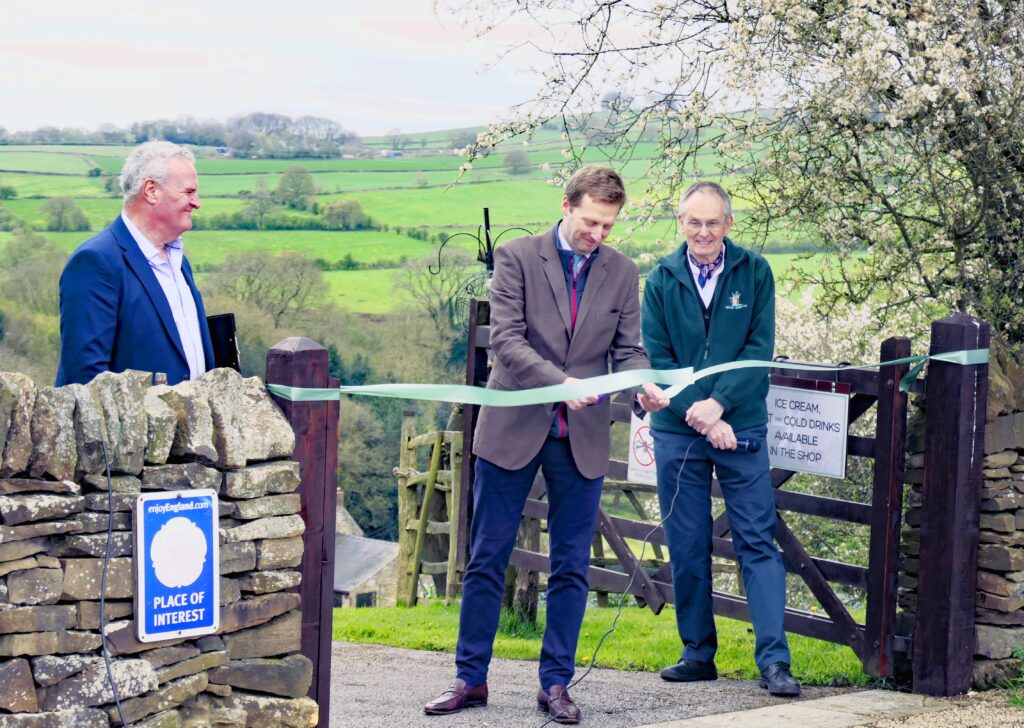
column 179, row 295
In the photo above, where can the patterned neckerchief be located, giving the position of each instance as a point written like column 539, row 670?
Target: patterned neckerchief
column 707, row 269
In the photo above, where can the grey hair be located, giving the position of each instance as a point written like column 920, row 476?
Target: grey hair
column 149, row 161
column 712, row 187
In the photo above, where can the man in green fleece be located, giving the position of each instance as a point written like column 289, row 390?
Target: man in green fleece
column 708, row 303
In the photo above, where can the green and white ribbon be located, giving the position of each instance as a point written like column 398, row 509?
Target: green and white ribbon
column 677, row 379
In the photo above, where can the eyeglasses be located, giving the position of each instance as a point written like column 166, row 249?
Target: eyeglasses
column 713, row 226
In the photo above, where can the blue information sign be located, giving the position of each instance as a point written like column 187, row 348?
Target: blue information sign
column 177, row 564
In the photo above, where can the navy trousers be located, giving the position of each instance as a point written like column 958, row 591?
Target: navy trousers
column 498, row 499
column 746, row 486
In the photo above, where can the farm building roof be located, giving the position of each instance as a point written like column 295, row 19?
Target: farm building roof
column 356, row 559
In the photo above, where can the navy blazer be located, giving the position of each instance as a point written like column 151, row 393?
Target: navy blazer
column 114, row 314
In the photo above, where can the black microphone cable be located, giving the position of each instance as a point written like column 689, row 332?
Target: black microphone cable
column 632, row 578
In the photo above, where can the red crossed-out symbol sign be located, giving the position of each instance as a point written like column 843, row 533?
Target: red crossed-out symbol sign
column 643, row 446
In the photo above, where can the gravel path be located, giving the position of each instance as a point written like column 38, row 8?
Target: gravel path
column 975, row 710
column 386, row 687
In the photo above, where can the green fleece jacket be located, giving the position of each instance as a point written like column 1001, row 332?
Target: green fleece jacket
column 742, row 327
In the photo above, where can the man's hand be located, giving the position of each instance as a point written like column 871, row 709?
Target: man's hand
column 578, row 404
column 721, row 436
column 703, row 415
column 653, row 398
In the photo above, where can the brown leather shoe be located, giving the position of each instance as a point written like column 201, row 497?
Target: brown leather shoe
column 457, row 697
column 558, row 704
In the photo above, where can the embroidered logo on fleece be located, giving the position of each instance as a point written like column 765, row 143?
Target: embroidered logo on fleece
column 734, row 302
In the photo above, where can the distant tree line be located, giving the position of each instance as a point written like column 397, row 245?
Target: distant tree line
column 253, row 135
column 337, row 215
column 269, row 210
column 280, row 209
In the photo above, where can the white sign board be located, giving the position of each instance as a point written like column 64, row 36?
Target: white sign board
column 641, row 468
column 807, row 431
column 177, row 564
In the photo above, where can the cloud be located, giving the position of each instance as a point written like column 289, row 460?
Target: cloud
column 370, row 66
column 84, row 54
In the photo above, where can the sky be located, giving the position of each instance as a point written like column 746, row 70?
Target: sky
column 371, row 65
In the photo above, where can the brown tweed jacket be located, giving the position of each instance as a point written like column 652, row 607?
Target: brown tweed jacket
column 533, row 347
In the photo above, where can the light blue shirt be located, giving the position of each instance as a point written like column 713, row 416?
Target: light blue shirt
column 179, row 295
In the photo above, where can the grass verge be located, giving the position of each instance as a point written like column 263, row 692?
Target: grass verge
column 642, row 641
column 1014, row 687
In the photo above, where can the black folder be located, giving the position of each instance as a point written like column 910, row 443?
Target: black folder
column 225, row 344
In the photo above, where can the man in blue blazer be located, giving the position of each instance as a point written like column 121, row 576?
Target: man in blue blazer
column 127, row 296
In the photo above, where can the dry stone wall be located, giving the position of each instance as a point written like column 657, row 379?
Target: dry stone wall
column 220, row 431
column 999, row 607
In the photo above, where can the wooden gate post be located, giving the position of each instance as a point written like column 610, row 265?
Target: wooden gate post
column 407, row 508
column 476, row 375
column 886, row 511
column 302, row 362
column 955, row 401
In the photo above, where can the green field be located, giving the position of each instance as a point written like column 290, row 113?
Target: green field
column 511, row 203
column 355, row 180
column 209, row 247
column 76, row 160
column 57, row 162
column 45, row 185
column 361, row 291
column 109, row 164
column 380, row 292
column 367, row 291
column 100, row 211
column 117, row 150
column 408, row 191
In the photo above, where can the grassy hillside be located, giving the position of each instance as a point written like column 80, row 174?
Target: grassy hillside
column 31, row 184
column 206, row 248
column 59, row 162
column 408, row 191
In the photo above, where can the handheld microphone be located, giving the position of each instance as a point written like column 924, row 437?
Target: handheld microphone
column 748, row 445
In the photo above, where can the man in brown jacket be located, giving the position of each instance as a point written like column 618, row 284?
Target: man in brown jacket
column 562, row 308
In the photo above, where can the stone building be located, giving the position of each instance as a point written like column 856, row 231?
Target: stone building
column 344, row 523
column 365, row 572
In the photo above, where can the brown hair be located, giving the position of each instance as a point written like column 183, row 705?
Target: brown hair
column 603, row 184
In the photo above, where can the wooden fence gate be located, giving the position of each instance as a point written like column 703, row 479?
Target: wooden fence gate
column 876, row 640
